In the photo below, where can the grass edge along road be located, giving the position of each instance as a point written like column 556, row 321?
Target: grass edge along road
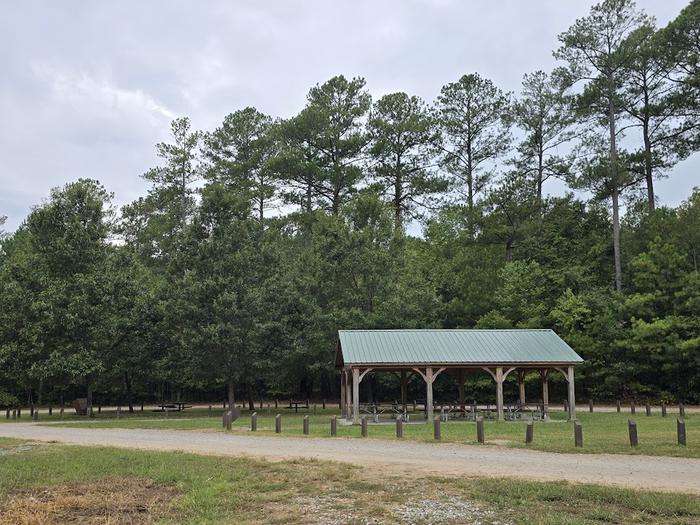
column 604, row 432
column 36, row 478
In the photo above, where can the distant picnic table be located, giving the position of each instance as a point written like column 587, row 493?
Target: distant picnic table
column 177, row 405
column 296, row 404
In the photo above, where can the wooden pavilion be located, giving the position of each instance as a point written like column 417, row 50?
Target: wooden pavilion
column 458, row 352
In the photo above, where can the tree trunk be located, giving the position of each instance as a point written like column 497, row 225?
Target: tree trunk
column 40, row 392
column 398, row 218
column 251, row 403
column 231, row 398
column 89, row 396
column 615, row 186
column 648, row 170
column 129, row 396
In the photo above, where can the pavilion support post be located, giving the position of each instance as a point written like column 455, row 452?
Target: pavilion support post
column 343, row 406
column 404, row 390
column 545, row 392
column 499, row 392
column 572, row 393
column 429, row 395
column 348, row 395
column 460, row 388
column 355, row 395
column 521, row 386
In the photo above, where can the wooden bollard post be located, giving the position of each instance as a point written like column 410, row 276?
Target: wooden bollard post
column 278, row 423
column 50, row 410
column 334, row 426
column 632, row 428
column 632, row 407
column 590, row 405
column 480, row 429
column 254, row 422
column 142, row 406
column 566, row 406
column 223, row 405
column 681, row 409
column 680, row 430
column 647, row 408
column 414, row 405
column 323, row 404
column 529, row 431
column 31, row 411
column 399, row 427
column 99, row 409
column 306, row 425
column 275, row 403
column 261, row 403
column 663, row 409
column 578, row 434
column 363, row 423
column 224, row 420
column 436, row 428
column 618, row 406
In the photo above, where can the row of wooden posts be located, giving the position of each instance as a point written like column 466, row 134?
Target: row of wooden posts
column 437, row 423
column 633, row 408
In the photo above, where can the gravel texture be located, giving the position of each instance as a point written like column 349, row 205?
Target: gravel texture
column 446, row 459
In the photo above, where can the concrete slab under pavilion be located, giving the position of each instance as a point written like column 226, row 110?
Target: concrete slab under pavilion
column 430, row 353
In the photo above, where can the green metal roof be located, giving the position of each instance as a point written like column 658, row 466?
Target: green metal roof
column 453, row 347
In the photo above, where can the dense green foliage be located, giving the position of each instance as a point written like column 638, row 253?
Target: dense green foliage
column 257, row 241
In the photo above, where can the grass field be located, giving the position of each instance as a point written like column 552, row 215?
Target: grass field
column 50, row 483
column 604, row 432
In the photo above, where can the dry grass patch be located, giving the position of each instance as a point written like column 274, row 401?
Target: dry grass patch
column 115, row 500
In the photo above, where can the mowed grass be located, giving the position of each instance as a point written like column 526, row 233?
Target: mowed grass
column 209, row 490
column 603, row 432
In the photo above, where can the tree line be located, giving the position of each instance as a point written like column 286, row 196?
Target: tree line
column 258, row 240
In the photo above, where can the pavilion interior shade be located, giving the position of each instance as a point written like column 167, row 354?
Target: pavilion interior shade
column 454, row 347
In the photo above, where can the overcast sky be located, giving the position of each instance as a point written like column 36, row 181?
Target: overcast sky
column 88, row 88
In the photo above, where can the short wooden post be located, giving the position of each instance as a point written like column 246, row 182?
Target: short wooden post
column 99, row 409
column 590, row 405
column 663, row 409
column 306, row 425
column 618, row 406
column 632, row 428
column 50, row 410
column 529, row 431
column 254, row 422
column 61, row 413
column 278, row 423
column 414, row 405
column 363, row 422
column 681, row 409
column 334, row 426
column 680, row 429
column 436, row 428
column 632, row 407
column 399, row 427
column 480, row 429
column 31, row 411
column 224, row 404
column 142, row 406
column 276, row 403
column 224, row 420
column 566, row 406
column 323, row 404
column 647, row 408
column 578, row 434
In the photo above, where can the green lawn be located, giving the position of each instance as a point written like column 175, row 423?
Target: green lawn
column 51, row 483
column 603, row 432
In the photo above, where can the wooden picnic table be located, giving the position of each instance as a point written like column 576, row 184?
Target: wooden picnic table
column 176, row 405
column 295, row 405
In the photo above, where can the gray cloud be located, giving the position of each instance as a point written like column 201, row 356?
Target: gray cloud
column 87, row 88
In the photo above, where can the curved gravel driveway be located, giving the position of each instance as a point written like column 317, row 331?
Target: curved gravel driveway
column 445, row 459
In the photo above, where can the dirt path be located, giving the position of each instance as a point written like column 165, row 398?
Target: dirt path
column 642, row 472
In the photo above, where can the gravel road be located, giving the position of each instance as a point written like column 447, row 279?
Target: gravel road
column 641, row 472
